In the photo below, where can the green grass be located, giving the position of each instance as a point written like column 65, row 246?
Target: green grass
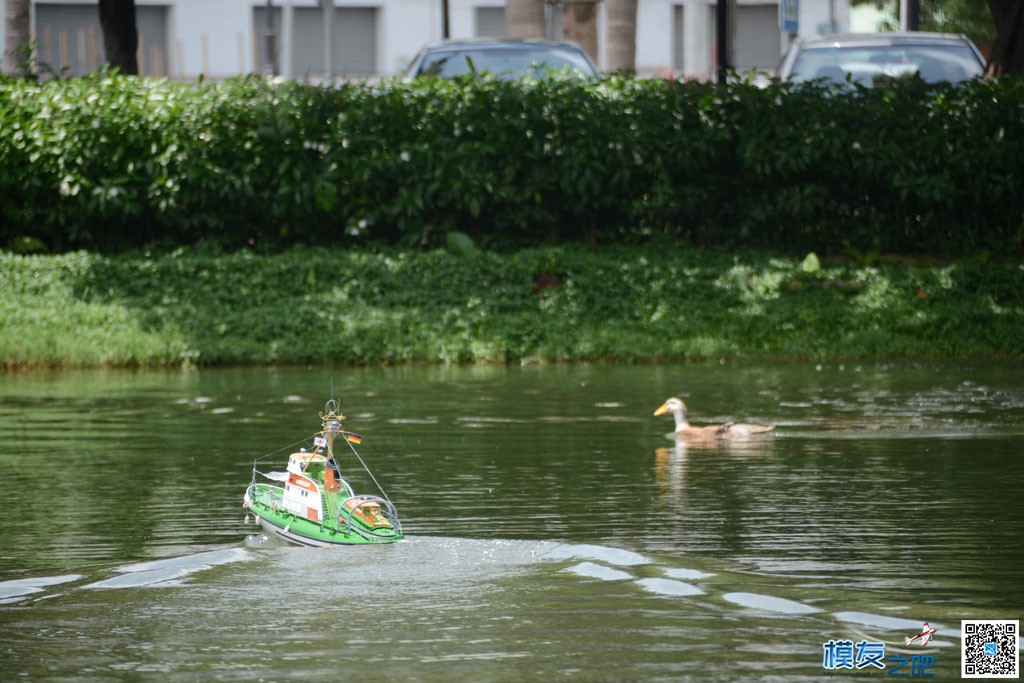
column 623, row 304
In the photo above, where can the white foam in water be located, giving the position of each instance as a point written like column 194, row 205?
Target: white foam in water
column 669, row 587
column 10, row 591
column 689, row 574
column 768, row 603
column 891, row 623
column 622, row 558
column 599, row 571
column 164, row 571
column 140, row 579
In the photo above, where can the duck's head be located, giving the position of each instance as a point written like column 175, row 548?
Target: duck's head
column 673, row 405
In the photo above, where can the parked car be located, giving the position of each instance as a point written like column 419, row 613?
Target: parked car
column 873, row 58
column 512, row 59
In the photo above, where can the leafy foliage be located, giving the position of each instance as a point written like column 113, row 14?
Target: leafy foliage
column 658, row 302
column 111, row 163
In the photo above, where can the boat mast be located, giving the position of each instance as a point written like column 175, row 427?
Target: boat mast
column 331, row 426
column 332, row 419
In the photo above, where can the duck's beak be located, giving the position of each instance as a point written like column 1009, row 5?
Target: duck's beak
column 662, row 410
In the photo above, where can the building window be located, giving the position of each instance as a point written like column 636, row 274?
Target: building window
column 490, row 22
column 758, row 38
column 267, row 40
column 354, row 41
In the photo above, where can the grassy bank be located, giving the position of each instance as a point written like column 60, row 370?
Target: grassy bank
column 537, row 305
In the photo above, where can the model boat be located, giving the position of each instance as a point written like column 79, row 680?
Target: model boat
column 312, row 504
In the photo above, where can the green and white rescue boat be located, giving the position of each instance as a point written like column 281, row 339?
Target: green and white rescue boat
column 312, row 504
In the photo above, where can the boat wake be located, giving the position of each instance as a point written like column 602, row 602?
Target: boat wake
column 169, row 571
column 436, row 572
column 156, row 573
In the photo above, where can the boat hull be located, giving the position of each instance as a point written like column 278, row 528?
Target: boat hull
column 299, row 530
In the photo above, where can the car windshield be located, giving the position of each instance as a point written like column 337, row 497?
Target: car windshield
column 873, row 65
column 507, row 63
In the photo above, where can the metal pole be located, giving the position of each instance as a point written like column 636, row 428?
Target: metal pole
column 722, row 42
column 445, row 32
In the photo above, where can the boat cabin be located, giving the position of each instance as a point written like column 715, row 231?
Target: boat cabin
column 302, row 490
column 368, row 511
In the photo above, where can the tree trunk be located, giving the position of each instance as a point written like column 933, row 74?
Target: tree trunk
column 579, row 24
column 120, row 37
column 16, row 36
column 525, row 18
column 621, row 16
column 1007, row 55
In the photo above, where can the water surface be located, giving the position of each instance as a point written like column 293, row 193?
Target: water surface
column 554, row 531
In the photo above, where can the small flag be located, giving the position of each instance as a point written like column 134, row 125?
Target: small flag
column 319, row 442
column 354, row 438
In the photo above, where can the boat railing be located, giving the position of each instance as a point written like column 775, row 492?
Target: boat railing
column 270, row 495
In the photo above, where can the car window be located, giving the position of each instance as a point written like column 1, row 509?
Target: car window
column 506, row 63
column 873, row 65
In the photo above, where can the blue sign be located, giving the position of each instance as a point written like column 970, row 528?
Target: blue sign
column 789, row 16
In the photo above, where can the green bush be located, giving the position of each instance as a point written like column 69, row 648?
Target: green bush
column 109, row 162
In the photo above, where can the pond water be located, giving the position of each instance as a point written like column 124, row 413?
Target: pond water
column 554, row 530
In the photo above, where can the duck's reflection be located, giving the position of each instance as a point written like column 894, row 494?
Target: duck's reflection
column 670, row 468
column 672, row 463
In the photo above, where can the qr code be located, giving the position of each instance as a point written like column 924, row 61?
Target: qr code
column 990, row 649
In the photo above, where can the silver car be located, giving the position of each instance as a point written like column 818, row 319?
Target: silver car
column 872, row 59
column 512, row 59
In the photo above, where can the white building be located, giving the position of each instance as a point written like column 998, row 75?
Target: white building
column 372, row 38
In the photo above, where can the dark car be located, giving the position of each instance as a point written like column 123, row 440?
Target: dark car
column 512, row 59
column 871, row 59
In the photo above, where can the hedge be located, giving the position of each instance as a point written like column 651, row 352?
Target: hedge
column 109, row 163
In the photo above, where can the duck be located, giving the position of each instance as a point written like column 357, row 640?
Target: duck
column 729, row 430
